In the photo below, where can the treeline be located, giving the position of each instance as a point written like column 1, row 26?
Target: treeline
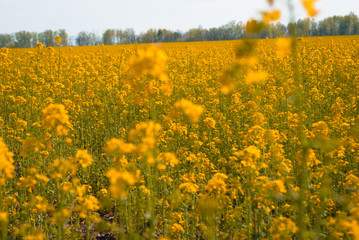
column 331, row 26
column 24, row 39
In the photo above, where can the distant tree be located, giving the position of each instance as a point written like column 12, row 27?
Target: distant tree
column 238, row 30
column 303, row 27
column 273, row 31
column 348, row 24
column 292, row 28
column 65, row 37
column 72, row 40
column 129, row 35
column 266, row 32
column 167, row 36
column 108, row 37
column 280, row 30
column 355, row 22
column 149, row 37
column 159, row 35
column 22, row 39
column 225, row 32
column 196, row 34
column 355, row 19
column 231, row 31
column 213, row 34
column 313, row 28
column 118, row 36
column 34, row 39
column 177, row 36
column 335, row 25
column 94, row 39
column 83, row 39
column 47, row 38
column 323, row 28
column 329, row 26
column 5, row 40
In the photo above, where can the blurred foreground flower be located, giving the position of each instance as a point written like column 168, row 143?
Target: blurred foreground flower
column 84, row 158
column 255, row 77
column 56, row 115
column 192, row 111
column 6, row 163
column 149, row 61
column 309, row 6
column 119, row 180
column 283, row 46
column 271, row 16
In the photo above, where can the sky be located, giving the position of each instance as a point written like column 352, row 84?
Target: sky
column 98, row 15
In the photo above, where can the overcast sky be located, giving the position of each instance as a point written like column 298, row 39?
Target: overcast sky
column 98, row 15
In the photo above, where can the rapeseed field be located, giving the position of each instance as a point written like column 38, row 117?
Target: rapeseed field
column 247, row 139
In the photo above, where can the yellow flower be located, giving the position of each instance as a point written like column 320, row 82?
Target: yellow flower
column 271, row 16
column 119, row 180
column 104, row 192
column 149, row 61
column 283, row 46
column 84, row 158
column 251, row 151
column 68, row 140
column 61, row 216
column 3, row 217
column 192, row 111
column 147, row 132
column 255, row 77
column 217, row 183
column 145, row 190
column 258, row 119
column 61, row 167
column 309, row 6
column 116, row 145
column 61, row 130
column 283, row 228
column 209, row 122
column 6, row 161
column 227, row 81
column 42, row 204
column 36, row 236
column 320, row 129
column 188, row 187
column 87, row 204
column 168, row 159
column 54, row 113
column 254, row 26
column 39, row 45
column 249, row 157
column 42, row 177
column 176, row 229
column 31, row 145
column 58, row 40
column 275, row 187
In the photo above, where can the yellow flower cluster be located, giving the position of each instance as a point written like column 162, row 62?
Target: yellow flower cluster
column 149, row 61
column 84, row 158
column 119, row 180
column 56, row 115
column 6, row 163
column 192, row 111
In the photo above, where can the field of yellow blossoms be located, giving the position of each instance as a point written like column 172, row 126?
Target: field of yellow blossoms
column 248, row 139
